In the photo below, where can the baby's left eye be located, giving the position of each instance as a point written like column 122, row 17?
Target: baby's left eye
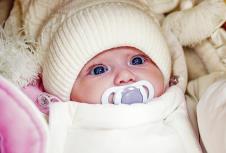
column 137, row 60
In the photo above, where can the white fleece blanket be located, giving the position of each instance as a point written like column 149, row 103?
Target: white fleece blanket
column 211, row 114
column 161, row 126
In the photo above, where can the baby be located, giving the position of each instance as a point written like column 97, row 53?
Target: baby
column 111, row 54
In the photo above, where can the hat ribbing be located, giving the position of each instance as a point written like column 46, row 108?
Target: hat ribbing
column 84, row 33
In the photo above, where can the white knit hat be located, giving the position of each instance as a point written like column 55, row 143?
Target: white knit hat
column 84, row 28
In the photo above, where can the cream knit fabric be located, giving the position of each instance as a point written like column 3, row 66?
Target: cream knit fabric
column 82, row 29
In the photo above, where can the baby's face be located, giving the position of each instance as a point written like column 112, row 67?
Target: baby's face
column 115, row 67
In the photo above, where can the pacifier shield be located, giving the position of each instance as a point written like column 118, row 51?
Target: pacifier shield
column 138, row 92
column 131, row 95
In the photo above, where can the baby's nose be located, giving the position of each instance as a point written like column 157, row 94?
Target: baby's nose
column 124, row 76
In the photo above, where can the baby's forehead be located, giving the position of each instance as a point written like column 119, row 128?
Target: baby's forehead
column 118, row 51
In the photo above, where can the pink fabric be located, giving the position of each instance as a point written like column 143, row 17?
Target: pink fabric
column 42, row 100
column 22, row 127
column 33, row 90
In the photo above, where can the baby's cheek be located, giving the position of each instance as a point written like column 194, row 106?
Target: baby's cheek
column 88, row 94
column 158, row 84
column 159, row 92
column 77, row 94
column 95, row 95
column 74, row 97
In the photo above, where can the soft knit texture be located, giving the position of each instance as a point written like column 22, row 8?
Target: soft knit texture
column 192, row 26
column 161, row 126
column 83, row 29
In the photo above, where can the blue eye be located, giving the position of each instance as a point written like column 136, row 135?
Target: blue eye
column 137, row 60
column 99, row 69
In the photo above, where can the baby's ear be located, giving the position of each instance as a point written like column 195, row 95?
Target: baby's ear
column 193, row 25
column 173, row 80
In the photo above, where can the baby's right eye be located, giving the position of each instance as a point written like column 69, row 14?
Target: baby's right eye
column 98, row 69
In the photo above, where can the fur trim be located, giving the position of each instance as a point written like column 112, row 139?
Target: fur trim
column 193, row 25
column 19, row 58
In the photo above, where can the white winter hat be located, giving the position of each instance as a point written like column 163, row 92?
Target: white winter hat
column 84, row 28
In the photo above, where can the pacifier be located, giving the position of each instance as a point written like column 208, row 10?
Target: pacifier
column 139, row 92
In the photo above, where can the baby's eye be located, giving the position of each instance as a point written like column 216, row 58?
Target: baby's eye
column 137, row 60
column 98, row 69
